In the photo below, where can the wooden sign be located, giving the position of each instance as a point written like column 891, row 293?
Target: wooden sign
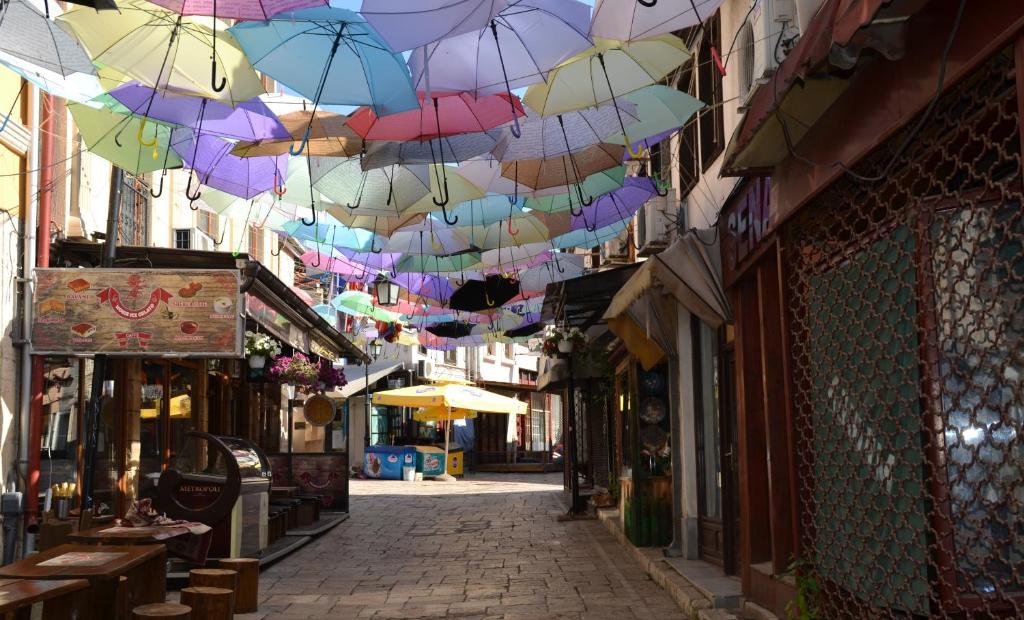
column 138, row 312
column 319, row 410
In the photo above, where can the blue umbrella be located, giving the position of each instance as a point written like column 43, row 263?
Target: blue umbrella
column 332, row 56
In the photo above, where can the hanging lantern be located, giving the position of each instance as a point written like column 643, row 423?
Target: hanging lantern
column 386, row 291
column 376, row 348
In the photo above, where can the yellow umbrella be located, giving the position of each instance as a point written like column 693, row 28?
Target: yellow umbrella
column 608, row 70
column 450, row 398
column 163, row 50
column 440, row 414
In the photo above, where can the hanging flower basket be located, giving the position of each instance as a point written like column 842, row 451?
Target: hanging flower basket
column 296, row 370
column 258, row 347
column 563, row 341
column 330, row 378
column 257, row 361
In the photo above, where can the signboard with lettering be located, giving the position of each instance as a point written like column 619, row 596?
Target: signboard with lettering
column 744, row 224
column 138, row 312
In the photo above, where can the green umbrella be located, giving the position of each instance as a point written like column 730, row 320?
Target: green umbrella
column 438, row 264
column 659, row 109
column 131, row 143
column 597, row 184
column 358, row 303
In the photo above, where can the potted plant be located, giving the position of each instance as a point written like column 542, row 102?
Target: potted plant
column 296, row 370
column 258, row 347
column 330, row 378
column 563, row 341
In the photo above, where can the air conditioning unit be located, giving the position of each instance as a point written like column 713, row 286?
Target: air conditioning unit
column 653, row 226
column 425, row 369
column 758, row 46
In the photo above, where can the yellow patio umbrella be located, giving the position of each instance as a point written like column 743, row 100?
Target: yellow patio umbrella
column 450, row 398
column 440, row 414
column 608, row 70
column 163, row 50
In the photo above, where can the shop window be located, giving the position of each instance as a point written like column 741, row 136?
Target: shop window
column 208, row 223
column 61, row 422
column 711, row 127
column 538, row 423
column 183, row 238
column 133, row 224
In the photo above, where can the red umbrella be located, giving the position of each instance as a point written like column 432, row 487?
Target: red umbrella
column 446, row 114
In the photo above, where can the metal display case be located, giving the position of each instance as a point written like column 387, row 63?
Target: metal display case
column 223, row 482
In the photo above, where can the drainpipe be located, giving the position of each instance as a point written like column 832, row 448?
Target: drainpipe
column 28, row 262
column 45, row 215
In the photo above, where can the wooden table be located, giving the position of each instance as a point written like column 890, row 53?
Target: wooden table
column 191, row 547
column 61, row 598
column 143, row 565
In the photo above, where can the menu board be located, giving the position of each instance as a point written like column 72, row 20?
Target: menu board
column 138, row 312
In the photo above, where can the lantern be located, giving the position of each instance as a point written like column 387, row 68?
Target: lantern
column 386, row 291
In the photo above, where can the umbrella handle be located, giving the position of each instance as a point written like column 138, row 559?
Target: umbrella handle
column 648, row 3
column 444, row 213
column 373, row 242
column 661, row 187
column 510, row 231
column 516, row 130
column 558, row 265
column 589, row 200
column 637, row 154
column 488, row 300
column 302, row 145
column 159, row 192
column 138, row 134
column 213, row 75
column 279, row 245
column 279, row 190
column 188, row 191
column 310, row 223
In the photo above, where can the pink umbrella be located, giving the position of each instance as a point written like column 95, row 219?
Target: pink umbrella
column 251, row 10
column 448, row 114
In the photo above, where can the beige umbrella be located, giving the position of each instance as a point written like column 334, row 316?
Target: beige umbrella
column 329, row 136
column 562, row 170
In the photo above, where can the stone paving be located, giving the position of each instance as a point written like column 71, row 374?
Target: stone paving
column 484, row 547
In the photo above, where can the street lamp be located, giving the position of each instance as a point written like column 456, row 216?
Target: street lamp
column 386, row 291
column 376, row 348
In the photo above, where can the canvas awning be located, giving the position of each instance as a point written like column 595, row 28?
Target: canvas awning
column 642, row 314
column 357, row 378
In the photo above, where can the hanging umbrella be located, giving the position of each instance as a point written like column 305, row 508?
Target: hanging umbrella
column 547, row 136
column 386, row 226
column 518, row 47
column 329, row 234
column 563, row 170
column 484, row 211
column 29, row 36
column 408, row 24
column 358, row 303
column 536, row 279
column 629, row 21
column 329, row 136
column 164, row 50
column 332, row 56
column 249, row 120
column 519, row 229
column 451, row 150
column 661, row 110
column 524, row 330
column 453, row 263
column 605, row 72
column 608, row 209
column 588, row 238
column 76, row 87
column 514, row 258
column 476, row 295
column 385, row 191
column 99, row 128
column 211, row 159
column 426, row 285
column 451, row 329
column 428, row 237
column 594, row 185
column 445, row 114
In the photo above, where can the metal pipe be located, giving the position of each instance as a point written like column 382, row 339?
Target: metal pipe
column 366, row 405
column 28, row 262
column 574, row 466
column 44, row 216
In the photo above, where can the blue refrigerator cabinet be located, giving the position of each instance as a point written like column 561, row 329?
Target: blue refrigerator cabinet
column 386, row 462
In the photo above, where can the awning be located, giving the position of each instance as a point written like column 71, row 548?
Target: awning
column 357, row 378
column 688, row 272
column 804, row 86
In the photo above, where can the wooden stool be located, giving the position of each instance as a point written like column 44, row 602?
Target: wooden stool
column 123, row 610
column 215, row 578
column 167, row 611
column 248, row 591
column 208, row 603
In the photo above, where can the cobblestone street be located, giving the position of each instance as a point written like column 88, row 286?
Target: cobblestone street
column 485, row 547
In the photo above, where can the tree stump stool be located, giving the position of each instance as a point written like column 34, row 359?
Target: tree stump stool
column 167, row 611
column 208, row 603
column 215, row 578
column 248, row 591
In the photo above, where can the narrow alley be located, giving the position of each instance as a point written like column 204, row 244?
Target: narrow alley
column 488, row 546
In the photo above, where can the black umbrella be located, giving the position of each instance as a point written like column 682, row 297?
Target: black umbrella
column 451, row 329
column 99, row 5
column 525, row 330
column 477, row 295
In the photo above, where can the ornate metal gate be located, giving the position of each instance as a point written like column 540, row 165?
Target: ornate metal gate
column 907, row 347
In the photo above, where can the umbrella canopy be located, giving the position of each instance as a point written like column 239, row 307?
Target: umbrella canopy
column 445, row 114
column 161, row 49
column 563, row 170
column 428, row 237
column 524, row 330
column 519, row 229
column 660, row 109
column 329, row 136
column 210, row 157
column 330, row 55
column 353, row 218
column 536, row 279
column 450, row 396
column 528, row 39
column 386, row 191
column 408, row 24
column 451, row 150
column 441, row 414
column 451, row 329
column 248, row 10
column 438, row 264
column 629, row 21
column 358, row 303
column 548, row 136
column 99, row 129
column 26, row 34
column 595, row 185
column 477, row 295
column 608, row 209
column 250, row 120
column 77, row 87
column 608, row 70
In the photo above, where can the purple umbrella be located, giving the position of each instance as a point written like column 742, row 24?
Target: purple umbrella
column 252, row 120
column 408, row 24
column 614, row 206
column 211, row 159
